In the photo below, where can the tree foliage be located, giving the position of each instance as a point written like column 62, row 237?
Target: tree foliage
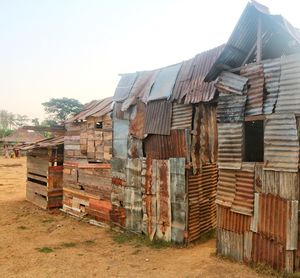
column 59, row 109
column 10, row 121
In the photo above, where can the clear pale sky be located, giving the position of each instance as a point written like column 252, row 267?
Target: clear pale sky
column 76, row 48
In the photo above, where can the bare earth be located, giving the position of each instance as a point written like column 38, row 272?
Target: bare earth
column 83, row 250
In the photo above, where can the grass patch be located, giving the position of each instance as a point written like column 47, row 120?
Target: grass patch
column 22, row 228
column 205, row 237
column 45, row 250
column 48, row 220
column 68, row 244
column 89, row 242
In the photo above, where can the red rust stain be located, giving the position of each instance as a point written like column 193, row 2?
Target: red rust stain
column 117, row 181
column 136, row 127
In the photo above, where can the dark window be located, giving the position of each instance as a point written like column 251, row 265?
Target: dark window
column 99, row 125
column 254, row 141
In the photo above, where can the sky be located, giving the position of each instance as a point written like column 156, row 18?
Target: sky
column 77, row 48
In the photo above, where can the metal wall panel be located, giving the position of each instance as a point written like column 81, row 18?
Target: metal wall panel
column 230, row 140
column 120, row 135
column 281, row 150
column 289, row 97
column 137, row 120
column 158, row 118
column 182, row 115
column 231, row 83
column 124, row 86
column 255, row 93
column 226, row 188
column 135, row 147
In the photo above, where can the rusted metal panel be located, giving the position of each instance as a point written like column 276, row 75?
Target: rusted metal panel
column 182, row 115
column 164, row 147
column 178, row 196
column 204, row 137
column 226, row 188
column 232, row 221
column 254, row 218
column 244, row 195
column 268, row 251
column 135, row 147
column 164, row 82
column 281, row 151
column 292, row 225
column 272, row 72
column 230, row 140
column 283, row 184
column 231, row 108
column 289, row 98
column 124, row 86
column 134, row 173
column 255, row 93
column 248, row 246
column 137, row 120
column 120, row 135
column 158, row 117
column 201, row 196
column 231, row 83
column 230, row 244
column 118, row 182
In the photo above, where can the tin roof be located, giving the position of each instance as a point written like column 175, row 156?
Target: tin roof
column 23, row 136
column 44, row 143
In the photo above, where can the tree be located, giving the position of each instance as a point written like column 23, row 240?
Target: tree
column 59, row 109
column 35, row 121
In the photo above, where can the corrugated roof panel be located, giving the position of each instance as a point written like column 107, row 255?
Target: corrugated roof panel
column 158, row 117
column 231, row 83
column 272, row 72
column 124, row 86
column 281, row 150
column 182, row 115
column 230, row 140
column 231, row 108
column 255, row 93
column 226, row 188
column 164, row 83
column 289, row 86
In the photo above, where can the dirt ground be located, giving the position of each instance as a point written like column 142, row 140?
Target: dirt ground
column 37, row 243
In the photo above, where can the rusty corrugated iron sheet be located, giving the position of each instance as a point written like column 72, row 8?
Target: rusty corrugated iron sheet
column 164, row 82
column 201, row 197
column 158, row 117
column 135, row 147
column 137, row 120
column 124, row 86
column 231, row 83
column 288, row 98
column 164, row 147
column 232, row 221
column 272, row 72
column 204, row 149
column 231, row 108
column 244, row 195
column 226, row 188
column 281, row 150
column 230, row 140
column 118, row 183
column 182, row 115
column 255, row 92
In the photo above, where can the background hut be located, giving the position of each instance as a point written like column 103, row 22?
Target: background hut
column 258, row 131
column 87, row 170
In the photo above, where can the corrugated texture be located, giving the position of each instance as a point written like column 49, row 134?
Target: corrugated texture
column 231, row 221
column 226, row 188
column 272, row 72
column 120, row 135
column 133, row 173
column 164, row 147
column 158, row 118
column 268, row 251
column 230, row 244
column 255, row 92
column 244, row 195
column 283, row 184
column 140, row 89
column 281, row 150
column 124, row 86
column 135, row 147
column 231, row 83
column 230, row 140
column 178, row 196
column 289, row 98
column 164, row 82
column 181, row 116
column 201, row 196
column 231, row 108
column 137, row 120
column 204, row 148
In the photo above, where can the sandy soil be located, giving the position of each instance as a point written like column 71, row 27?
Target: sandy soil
column 82, row 250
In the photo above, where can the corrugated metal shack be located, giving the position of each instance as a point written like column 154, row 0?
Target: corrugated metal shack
column 87, row 169
column 258, row 146
column 45, row 172
column 164, row 172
